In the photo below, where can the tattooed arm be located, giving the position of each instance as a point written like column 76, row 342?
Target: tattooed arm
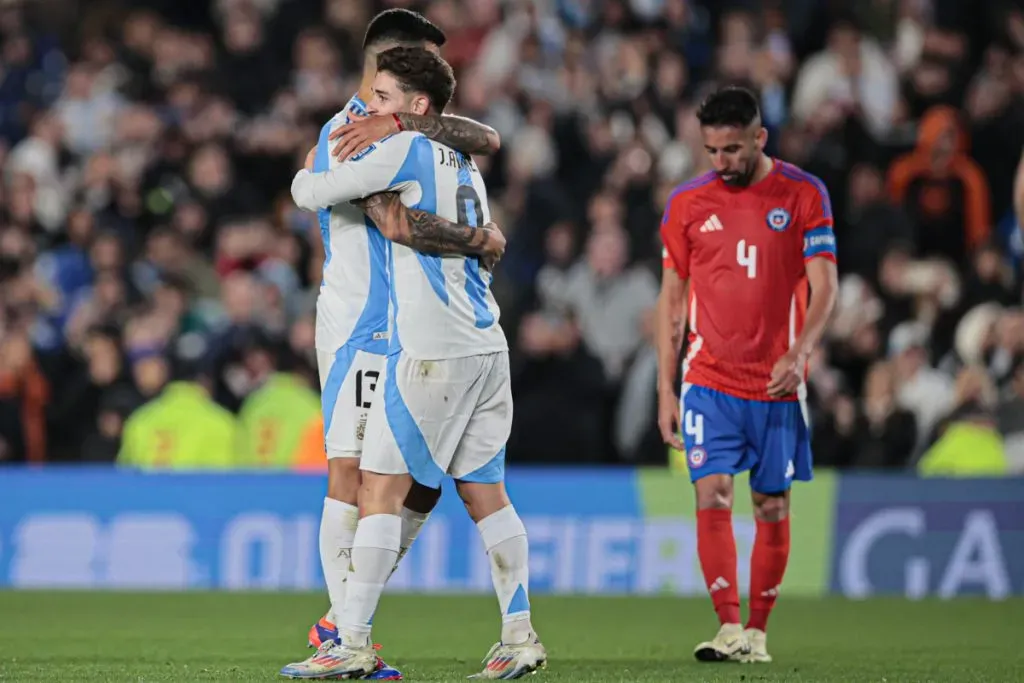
column 373, row 182
column 431, row 234
column 461, row 134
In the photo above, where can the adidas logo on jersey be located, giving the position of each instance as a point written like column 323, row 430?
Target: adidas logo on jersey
column 712, row 224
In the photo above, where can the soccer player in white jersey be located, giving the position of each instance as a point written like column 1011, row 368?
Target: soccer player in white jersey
column 352, row 309
column 446, row 407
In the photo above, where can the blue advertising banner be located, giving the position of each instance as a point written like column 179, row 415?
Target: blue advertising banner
column 592, row 531
column 92, row 528
column 919, row 538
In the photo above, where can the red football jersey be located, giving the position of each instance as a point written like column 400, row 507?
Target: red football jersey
column 743, row 250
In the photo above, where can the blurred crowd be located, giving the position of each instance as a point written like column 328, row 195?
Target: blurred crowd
column 147, row 237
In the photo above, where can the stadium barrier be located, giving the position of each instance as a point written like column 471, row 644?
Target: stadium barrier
column 592, row 531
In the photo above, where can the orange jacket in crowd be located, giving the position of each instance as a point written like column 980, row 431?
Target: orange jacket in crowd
column 942, row 187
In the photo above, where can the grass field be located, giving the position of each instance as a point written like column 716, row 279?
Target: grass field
column 113, row 637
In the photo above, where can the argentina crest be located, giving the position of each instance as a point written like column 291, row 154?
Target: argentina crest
column 778, row 219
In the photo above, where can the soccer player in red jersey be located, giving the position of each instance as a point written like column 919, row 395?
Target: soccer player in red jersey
column 742, row 244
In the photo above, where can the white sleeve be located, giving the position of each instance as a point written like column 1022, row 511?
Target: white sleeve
column 370, row 172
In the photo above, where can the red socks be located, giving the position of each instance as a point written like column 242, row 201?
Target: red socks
column 716, row 547
column 767, row 567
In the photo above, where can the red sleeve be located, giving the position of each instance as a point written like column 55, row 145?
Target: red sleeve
column 676, row 248
column 817, row 228
column 817, row 204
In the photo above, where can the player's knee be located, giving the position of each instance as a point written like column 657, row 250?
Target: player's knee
column 771, row 507
column 422, row 498
column 714, row 492
column 343, row 479
column 482, row 500
column 383, row 494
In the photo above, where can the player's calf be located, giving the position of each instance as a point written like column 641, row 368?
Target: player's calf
column 419, row 503
column 375, row 550
column 769, row 558
column 716, row 545
column 504, row 537
column 337, row 531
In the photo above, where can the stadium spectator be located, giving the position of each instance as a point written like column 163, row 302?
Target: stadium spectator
column 851, row 76
column 872, row 224
column 883, row 434
column 924, row 391
column 95, row 383
column 943, row 188
column 153, row 437
column 968, row 443
column 275, row 415
column 607, row 300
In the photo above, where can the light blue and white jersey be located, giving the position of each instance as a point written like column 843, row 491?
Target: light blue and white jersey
column 352, row 307
column 441, row 307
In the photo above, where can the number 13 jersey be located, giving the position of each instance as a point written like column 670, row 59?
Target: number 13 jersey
column 744, row 250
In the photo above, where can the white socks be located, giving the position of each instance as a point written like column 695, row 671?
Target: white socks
column 504, row 536
column 374, row 555
column 380, row 542
column 412, row 522
column 337, row 531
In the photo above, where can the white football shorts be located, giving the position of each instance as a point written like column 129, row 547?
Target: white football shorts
column 348, row 383
column 441, row 417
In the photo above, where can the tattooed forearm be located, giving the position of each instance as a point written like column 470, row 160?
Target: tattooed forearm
column 461, row 134
column 430, row 233
column 420, row 230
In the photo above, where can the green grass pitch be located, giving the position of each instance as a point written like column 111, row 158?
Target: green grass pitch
column 143, row 637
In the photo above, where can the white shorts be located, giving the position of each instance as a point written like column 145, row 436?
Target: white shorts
column 348, row 380
column 442, row 417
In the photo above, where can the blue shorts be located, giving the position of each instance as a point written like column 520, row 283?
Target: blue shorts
column 727, row 435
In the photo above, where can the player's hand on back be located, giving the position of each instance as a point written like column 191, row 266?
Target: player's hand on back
column 360, row 133
column 310, row 158
column 787, row 374
column 494, row 247
column 668, row 419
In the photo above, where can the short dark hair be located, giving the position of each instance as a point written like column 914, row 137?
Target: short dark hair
column 420, row 70
column 402, row 26
column 729, row 106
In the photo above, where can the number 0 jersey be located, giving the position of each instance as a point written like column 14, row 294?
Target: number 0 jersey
column 743, row 250
column 441, row 307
